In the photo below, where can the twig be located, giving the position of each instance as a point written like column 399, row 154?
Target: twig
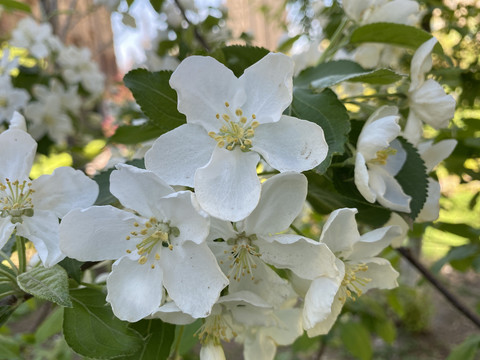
column 199, row 37
column 321, row 349
column 406, row 253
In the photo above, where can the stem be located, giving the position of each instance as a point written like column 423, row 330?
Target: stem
column 199, row 37
column 92, row 286
column 321, row 349
column 334, row 41
column 7, row 258
column 177, row 343
column 8, row 275
column 375, row 96
column 22, row 257
column 406, row 253
column 297, row 230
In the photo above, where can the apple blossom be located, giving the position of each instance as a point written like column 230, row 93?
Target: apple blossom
column 231, row 122
column 379, row 158
column 32, row 208
column 159, row 243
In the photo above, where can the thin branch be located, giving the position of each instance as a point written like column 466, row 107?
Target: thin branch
column 199, row 37
column 406, row 253
column 321, row 349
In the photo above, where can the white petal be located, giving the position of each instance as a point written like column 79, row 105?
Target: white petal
column 211, row 351
column 421, row 63
column 289, row 327
column 373, row 242
column 177, row 154
column 380, row 272
column 389, row 192
column 97, row 233
column 281, row 201
column 203, row 86
column 397, row 220
column 362, row 179
column 413, row 128
column 244, row 298
column 434, row 154
column 134, row 290
column 268, row 84
column 220, row 229
column 169, row 312
column 191, row 222
column 431, row 208
column 291, row 144
column 259, row 346
column 17, row 151
column 377, row 136
column 396, row 161
column 6, row 230
column 65, row 189
column 340, row 231
column 138, row 189
column 432, row 105
column 395, row 11
column 192, row 278
column 318, row 301
column 324, row 326
column 228, row 186
column 306, row 258
column 42, row 230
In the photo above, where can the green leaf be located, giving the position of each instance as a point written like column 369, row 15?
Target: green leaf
column 156, row 98
column 393, row 34
column 10, row 5
column 466, row 350
column 413, row 178
column 237, row 58
column 72, row 267
column 51, row 326
column 156, row 4
column 356, row 339
column 46, row 283
column 91, row 329
column 386, row 330
column 188, row 340
column 333, row 72
column 157, row 340
column 9, row 348
column 327, row 111
column 131, row 134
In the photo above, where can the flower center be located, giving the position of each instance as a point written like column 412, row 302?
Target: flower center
column 15, row 200
column 242, row 256
column 382, row 156
column 214, row 329
column 236, row 130
column 3, row 101
column 152, row 234
column 351, row 281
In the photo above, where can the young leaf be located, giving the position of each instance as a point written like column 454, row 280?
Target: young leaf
column 156, row 98
column 9, row 348
column 46, row 283
column 393, row 34
column 10, row 5
column 134, row 134
column 237, row 58
column 466, row 350
column 72, row 267
column 413, row 178
column 157, row 340
column 327, row 111
column 91, row 329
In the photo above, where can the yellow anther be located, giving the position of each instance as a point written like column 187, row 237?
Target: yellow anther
column 243, row 120
column 157, row 256
column 248, row 142
column 221, row 143
column 255, row 124
column 239, row 112
column 128, row 238
column 212, row 134
column 144, row 232
column 134, row 233
column 142, row 260
column 148, row 225
column 250, row 132
column 170, row 247
column 225, row 117
column 136, row 224
column 229, row 147
column 152, row 266
column 227, row 104
column 217, row 116
column 129, row 251
column 254, row 116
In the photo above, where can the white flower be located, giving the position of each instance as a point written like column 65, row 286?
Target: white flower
column 7, row 65
column 379, row 158
column 374, row 11
column 428, row 102
column 163, row 246
column 360, row 269
column 11, row 98
column 79, row 68
column 251, row 245
column 433, row 154
column 33, row 208
column 231, row 122
column 48, row 115
column 38, row 39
